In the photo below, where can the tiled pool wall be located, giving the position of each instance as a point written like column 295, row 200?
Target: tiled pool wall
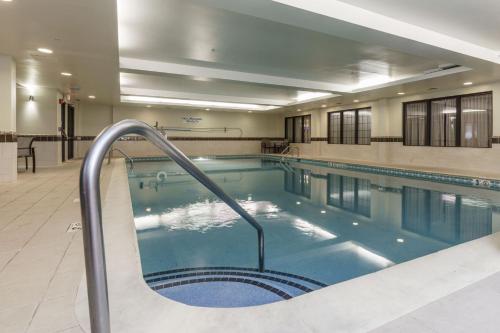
column 487, row 183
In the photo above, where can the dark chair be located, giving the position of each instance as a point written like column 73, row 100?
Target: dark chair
column 266, row 146
column 27, row 152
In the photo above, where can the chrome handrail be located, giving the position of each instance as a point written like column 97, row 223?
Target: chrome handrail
column 90, row 203
column 128, row 158
column 289, row 149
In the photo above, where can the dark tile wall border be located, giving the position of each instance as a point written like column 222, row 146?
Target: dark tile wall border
column 42, row 138
column 8, row 137
column 387, row 139
column 12, row 137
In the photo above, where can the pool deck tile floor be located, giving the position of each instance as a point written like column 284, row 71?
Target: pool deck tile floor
column 41, row 266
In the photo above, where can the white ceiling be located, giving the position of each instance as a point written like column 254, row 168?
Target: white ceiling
column 83, row 36
column 477, row 21
column 259, row 51
column 261, row 46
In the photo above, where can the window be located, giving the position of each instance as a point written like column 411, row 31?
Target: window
column 416, row 124
column 444, row 122
column 350, row 126
column 458, row 121
column 298, row 129
column 476, row 129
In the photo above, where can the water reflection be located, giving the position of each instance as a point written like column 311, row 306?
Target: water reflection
column 349, row 193
column 445, row 217
column 298, row 181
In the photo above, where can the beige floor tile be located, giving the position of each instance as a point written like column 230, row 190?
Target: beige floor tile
column 54, row 315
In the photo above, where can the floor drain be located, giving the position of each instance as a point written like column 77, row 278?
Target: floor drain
column 73, row 227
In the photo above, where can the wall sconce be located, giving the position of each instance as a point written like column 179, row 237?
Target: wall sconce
column 31, row 98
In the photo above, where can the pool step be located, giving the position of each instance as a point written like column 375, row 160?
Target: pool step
column 282, row 284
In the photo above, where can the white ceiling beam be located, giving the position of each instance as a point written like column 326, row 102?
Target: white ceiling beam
column 198, row 96
column 223, row 74
column 416, row 78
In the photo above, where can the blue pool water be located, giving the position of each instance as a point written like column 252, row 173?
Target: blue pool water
column 322, row 226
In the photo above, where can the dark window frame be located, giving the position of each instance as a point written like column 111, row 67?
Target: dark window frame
column 303, row 128
column 458, row 132
column 356, row 127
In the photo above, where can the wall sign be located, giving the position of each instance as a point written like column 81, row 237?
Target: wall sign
column 191, row 120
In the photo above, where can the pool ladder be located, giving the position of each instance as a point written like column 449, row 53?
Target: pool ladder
column 288, row 151
column 128, row 158
column 90, row 202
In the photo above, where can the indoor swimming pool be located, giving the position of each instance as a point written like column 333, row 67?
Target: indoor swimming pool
column 322, row 226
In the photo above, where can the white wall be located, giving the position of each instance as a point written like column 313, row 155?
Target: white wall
column 40, row 117
column 387, row 120
column 92, row 118
column 8, row 150
column 251, row 124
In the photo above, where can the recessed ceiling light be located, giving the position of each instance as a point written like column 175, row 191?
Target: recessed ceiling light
column 44, row 50
column 401, row 93
column 356, row 100
column 323, row 106
column 249, row 111
column 467, row 83
column 148, row 209
column 207, row 109
column 92, row 97
column 298, row 202
column 355, row 223
column 66, row 74
column 323, row 212
column 148, row 106
column 400, row 240
column 299, row 109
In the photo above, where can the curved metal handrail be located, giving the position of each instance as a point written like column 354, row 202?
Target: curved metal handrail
column 90, row 202
column 128, row 158
column 288, row 150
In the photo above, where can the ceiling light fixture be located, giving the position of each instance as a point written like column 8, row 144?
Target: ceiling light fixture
column 400, row 240
column 44, row 50
column 323, row 212
column 356, row 101
column 148, row 106
column 195, row 103
column 92, row 97
column 323, row 106
column 207, row 109
column 249, row 111
column 299, row 110
column 467, row 83
column 66, row 74
column 401, row 93
column 303, row 96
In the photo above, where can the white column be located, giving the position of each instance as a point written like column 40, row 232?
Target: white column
column 8, row 140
